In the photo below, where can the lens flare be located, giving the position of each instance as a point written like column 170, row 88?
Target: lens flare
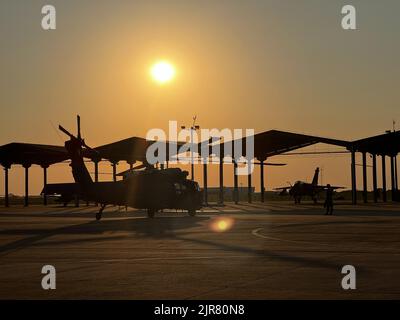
column 221, row 224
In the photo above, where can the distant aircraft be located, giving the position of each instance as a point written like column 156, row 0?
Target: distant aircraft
column 301, row 188
column 150, row 189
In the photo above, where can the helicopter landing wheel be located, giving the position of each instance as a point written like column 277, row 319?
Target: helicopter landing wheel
column 151, row 213
column 192, row 212
column 99, row 214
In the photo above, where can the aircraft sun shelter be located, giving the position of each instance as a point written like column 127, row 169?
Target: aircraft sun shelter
column 266, row 145
column 385, row 146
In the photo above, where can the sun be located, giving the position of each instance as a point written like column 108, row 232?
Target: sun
column 162, row 72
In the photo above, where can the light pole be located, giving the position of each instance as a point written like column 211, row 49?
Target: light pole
column 193, row 128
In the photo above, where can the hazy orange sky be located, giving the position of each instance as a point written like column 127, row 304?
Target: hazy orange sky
column 279, row 64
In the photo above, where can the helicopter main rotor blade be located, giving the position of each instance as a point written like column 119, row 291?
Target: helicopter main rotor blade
column 65, row 131
column 271, row 164
column 82, row 141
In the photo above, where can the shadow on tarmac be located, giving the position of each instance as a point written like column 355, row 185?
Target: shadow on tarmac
column 158, row 228
column 161, row 227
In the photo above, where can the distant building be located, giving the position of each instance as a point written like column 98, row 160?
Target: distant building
column 229, row 191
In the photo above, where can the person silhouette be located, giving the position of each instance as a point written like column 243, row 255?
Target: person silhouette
column 329, row 200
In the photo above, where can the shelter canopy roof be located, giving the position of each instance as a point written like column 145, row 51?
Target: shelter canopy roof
column 274, row 142
column 384, row 144
column 27, row 154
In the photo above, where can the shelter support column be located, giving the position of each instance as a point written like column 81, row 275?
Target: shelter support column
column 26, row 199
column 384, row 195
column 262, row 188
column 205, row 182
column 396, row 176
column 235, row 181
column 392, row 178
column 44, row 184
column 353, row 178
column 365, row 185
column 96, row 171
column 114, row 168
column 221, row 179
column 6, row 199
column 374, row 178
column 249, row 194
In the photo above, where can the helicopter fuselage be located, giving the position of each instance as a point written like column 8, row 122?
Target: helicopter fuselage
column 148, row 189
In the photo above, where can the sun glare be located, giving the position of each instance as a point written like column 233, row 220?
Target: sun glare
column 221, row 224
column 162, row 72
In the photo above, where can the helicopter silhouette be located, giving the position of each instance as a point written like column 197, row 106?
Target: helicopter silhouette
column 151, row 189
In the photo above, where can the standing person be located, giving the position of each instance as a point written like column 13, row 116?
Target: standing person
column 329, row 200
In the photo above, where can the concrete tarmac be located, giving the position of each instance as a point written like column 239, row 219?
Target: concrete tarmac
column 248, row 251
